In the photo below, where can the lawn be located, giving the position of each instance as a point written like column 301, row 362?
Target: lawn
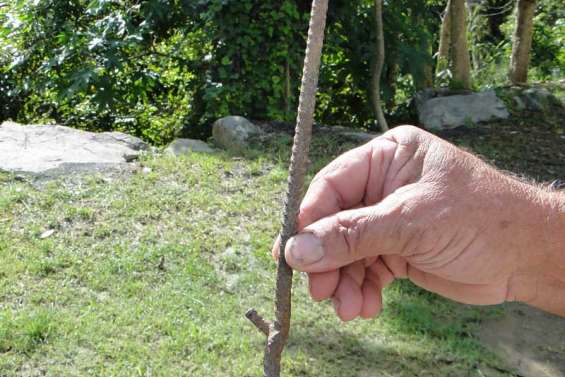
column 151, row 274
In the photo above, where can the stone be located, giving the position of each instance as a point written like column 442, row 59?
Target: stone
column 54, row 149
column 538, row 99
column 519, row 103
column 358, row 136
column 131, row 141
column 234, row 133
column 347, row 133
column 459, row 110
column 181, row 147
column 421, row 97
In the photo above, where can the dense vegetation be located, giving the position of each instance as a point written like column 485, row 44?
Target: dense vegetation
column 156, row 67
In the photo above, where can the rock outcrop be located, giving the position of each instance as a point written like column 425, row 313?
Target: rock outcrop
column 181, row 147
column 233, row 133
column 451, row 111
column 48, row 148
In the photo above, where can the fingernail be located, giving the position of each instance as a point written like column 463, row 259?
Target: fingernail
column 305, row 249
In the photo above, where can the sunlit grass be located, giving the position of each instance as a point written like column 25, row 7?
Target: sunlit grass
column 150, row 276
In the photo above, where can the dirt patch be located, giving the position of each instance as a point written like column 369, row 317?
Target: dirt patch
column 530, row 342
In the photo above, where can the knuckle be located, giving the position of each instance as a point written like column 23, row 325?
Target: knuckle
column 409, row 129
column 409, row 231
column 407, row 133
column 351, row 232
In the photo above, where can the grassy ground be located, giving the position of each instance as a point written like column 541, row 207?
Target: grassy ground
column 150, row 275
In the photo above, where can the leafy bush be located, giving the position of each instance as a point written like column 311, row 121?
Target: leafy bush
column 548, row 53
column 154, row 67
column 101, row 65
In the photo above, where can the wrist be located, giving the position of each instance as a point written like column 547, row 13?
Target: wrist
column 556, row 234
column 539, row 275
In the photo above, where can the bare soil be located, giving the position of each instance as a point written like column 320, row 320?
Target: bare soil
column 529, row 341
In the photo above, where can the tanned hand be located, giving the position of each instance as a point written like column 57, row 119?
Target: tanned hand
column 410, row 205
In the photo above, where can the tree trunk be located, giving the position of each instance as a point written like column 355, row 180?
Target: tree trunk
column 461, row 64
column 378, row 67
column 427, row 75
column 522, row 43
column 428, row 80
column 391, row 76
column 444, row 40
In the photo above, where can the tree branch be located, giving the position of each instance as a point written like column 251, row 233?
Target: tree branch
column 279, row 330
column 261, row 324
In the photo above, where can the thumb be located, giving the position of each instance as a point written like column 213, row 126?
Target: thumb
column 346, row 237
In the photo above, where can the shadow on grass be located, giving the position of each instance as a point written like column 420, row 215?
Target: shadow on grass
column 339, row 353
column 418, row 334
column 528, row 144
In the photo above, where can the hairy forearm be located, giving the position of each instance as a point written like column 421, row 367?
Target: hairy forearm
column 540, row 282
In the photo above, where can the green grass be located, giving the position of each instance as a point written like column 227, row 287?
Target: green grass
column 93, row 300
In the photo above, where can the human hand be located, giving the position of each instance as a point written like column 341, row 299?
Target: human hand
column 410, row 205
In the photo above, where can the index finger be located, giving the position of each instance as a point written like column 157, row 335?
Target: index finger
column 353, row 179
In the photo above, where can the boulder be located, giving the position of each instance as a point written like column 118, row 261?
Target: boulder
column 359, row 136
column 349, row 134
column 234, row 133
column 519, row 103
column 535, row 99
column 181, row 147
column 49, row 148
column 453, row 111
column 132, row 142
column 421, row 97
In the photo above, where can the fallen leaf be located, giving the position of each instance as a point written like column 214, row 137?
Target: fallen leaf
column 47, row 234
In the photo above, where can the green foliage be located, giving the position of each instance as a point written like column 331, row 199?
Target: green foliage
column 489, row 57
column 255, row 60
column 548, row 53
column 547, row 58
column 101, row 64
column 349, row 55
column 153, row 67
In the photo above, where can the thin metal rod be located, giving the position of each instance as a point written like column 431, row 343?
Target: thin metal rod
column 278, row 330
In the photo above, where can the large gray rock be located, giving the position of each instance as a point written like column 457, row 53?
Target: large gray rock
column 181, row 147
column 349, row 134
column 535, row 99
column 41, row 149
column 234, row 133
column 459, row 110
